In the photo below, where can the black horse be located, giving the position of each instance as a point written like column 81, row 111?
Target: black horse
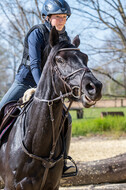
column 31, row 158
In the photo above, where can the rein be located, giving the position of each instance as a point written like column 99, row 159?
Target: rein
column 49, row 162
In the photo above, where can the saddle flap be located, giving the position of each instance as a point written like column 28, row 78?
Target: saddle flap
column 8, row 112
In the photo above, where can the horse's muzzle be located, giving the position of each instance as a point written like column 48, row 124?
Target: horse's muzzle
column 91, row 93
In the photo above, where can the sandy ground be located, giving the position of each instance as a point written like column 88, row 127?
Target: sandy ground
column 96, row 148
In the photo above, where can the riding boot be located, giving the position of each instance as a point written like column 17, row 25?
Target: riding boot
column 69, row 169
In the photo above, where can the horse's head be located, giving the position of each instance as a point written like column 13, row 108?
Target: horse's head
column 71, row 66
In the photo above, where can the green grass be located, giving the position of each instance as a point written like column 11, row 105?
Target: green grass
column 93, row 124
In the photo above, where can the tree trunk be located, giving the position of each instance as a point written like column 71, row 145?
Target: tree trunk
column 111, row 170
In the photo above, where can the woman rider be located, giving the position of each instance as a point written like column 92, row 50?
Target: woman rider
column 54, row 13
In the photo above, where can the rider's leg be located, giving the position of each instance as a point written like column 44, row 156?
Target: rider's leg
column 15, row 92
column 71, row 169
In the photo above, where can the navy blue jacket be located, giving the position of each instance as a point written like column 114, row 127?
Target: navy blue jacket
column 30, row 75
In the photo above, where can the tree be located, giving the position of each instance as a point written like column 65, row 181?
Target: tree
column 108, row 17
column 4, row 63
column 18, row 18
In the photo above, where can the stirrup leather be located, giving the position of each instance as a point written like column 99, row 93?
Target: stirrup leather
column 70, row 174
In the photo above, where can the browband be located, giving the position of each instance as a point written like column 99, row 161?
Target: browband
column 69, row 49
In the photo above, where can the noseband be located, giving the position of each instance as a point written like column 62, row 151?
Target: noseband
column 50, row 162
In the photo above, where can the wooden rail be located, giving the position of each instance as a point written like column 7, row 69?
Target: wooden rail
column 114, row 113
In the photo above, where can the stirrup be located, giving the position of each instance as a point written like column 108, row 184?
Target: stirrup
column 68, row 173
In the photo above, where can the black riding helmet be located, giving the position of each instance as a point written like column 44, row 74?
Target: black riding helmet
column 55, row 7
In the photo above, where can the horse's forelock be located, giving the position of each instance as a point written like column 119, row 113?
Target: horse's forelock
column 50, row 53
column 55, row 49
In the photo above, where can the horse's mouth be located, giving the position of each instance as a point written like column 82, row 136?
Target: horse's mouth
column 87, row 102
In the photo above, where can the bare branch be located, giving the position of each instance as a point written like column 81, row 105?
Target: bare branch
column 38, row 10
column 109, row 76
column 121, row 10
column 8, row 18
column 23, row 12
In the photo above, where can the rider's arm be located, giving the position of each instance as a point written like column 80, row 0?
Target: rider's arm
column 36, row 45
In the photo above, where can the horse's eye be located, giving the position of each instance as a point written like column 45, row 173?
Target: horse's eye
column 59, row 60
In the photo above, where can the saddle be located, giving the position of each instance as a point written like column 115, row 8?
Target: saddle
column 8, row 116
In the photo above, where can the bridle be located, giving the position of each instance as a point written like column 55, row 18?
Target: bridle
column 50, row 162
column 65, row 78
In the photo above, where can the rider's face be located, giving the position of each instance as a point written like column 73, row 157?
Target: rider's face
column 58, row 21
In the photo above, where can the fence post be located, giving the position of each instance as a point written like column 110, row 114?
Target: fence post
column 115, row 103
column 121, row 102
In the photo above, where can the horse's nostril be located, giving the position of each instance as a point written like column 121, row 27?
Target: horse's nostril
column 91, row 88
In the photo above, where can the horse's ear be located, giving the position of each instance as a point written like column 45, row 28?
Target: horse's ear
column 54, row 37
column 76, row 41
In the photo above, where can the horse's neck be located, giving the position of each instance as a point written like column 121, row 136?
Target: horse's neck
column 39, row 117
